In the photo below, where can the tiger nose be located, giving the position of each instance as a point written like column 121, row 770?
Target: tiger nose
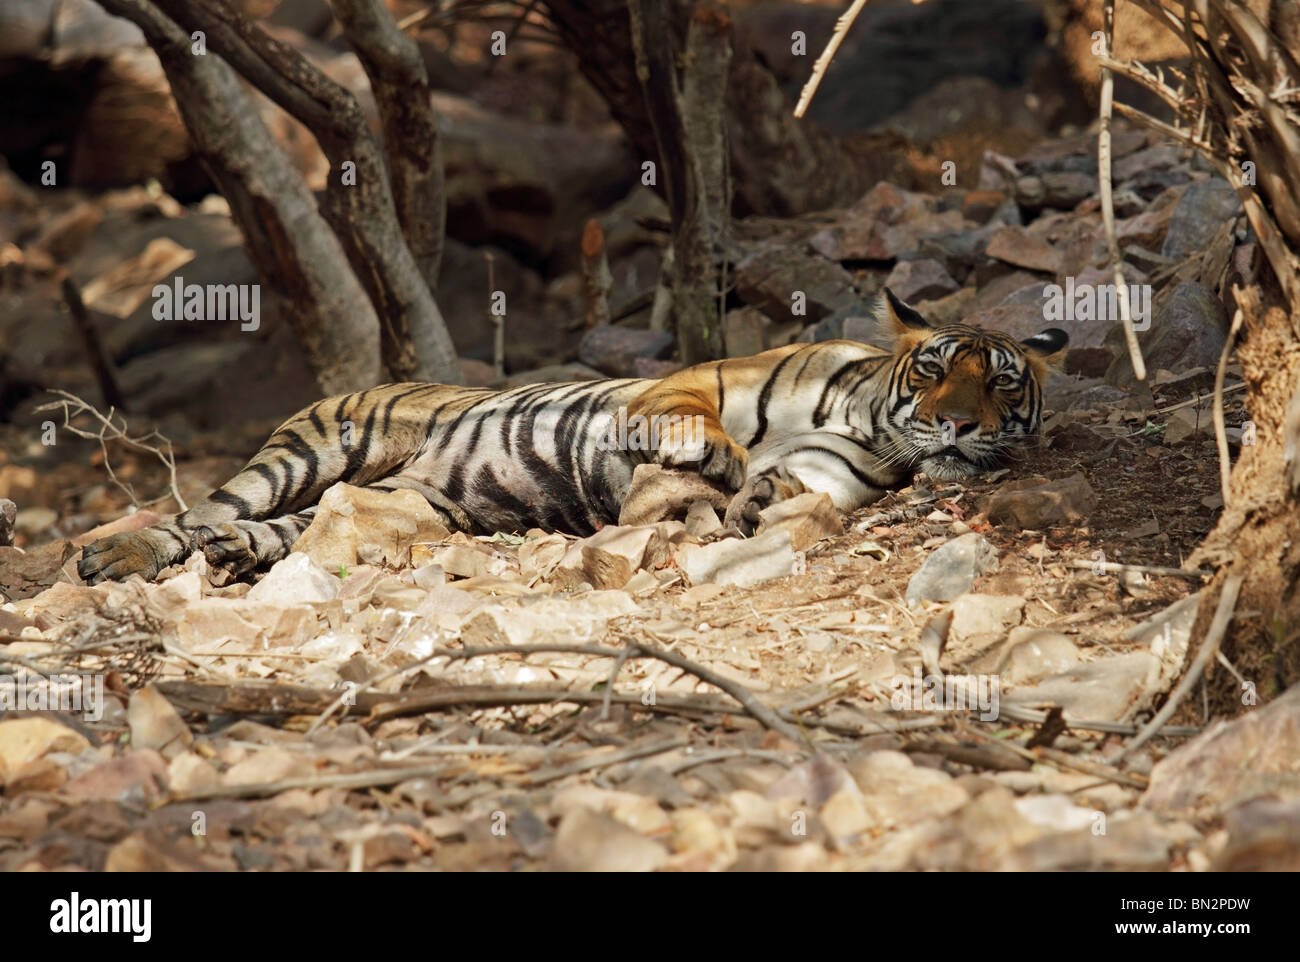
column 958, row 425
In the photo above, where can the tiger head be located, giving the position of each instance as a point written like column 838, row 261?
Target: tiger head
column 961, row 397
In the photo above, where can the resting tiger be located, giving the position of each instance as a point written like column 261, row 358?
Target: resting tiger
column 839, row 417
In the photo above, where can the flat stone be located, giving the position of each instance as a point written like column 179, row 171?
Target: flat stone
column 1038, row 503
column 1034, row 653
column 808, row 518
column 951, row 569
column 295, row 580
column 156, row 724
column 352, row 519
column 920, row 280
column 666, row 494
column 1015, row 245
column 1233, row 761
column 613, row 349
column 740, row 562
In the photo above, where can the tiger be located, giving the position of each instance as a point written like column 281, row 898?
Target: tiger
column 846, row 418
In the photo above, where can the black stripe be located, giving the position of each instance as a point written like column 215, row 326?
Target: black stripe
column 764, row 396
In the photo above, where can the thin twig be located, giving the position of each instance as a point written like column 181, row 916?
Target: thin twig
column 1108, row 203
column 111, row 432
column 1112, row 567
column 819, row 68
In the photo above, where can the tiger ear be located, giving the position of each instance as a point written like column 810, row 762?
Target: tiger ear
column 897, row 324
column 1047, row 348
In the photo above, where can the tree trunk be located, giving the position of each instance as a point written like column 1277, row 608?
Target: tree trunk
column 779, row 166
column 298, row 259
column 1258, row 534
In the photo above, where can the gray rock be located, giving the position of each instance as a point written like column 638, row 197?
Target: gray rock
column 769, row 278
column 1059, row 189
column 1101, row 689
column 1038, row 503
column 295, row 580
column 614, row 350
column 744, row 332
column 920, row 280
column 951, row 569
column 1188, row 331
column 740, row 562
column 1209, row 773
column 8, row 515
column 1200, row 212
column 554, row 372
column 1034, row 653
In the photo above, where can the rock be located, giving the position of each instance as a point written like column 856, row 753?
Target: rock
column 156, row 724
column 1099, row 690
column 1061, row 189
column 24, row 740
column 613, row 349
column 1034, row 653
column 268, row 765
column 807, row 517
column 1088, row 361
column 1263, row 836
column 653, row 369
column 189, row 774
column 1132, row 841
column 982, row 615
column 844, row 815
column 460, row 560
column 152, row 851
column 612, row 555
column 666, row 494
column 8, row 515
column 740, row 562
column 476, row 373
column 538, row 556
column 699, row 842
column 1188, row 331
column 27, row 573
column 350, row 518
column 977, row 836
column 701, row 520
column 897, row 792
column 295, row 580
column 563, row 620
column 769, row 278
column 554, row 373
column 958, row 252
column 1075, row 437
column 951, row 569
column 1039, row 503
column 1187, row 423
column 212, row 622
column 588, row 841
column 1201, row 211
column 920, row 280
column 744, row 332
column 981, row 205
column 136, row 778
column 1233, row 761
column 1015, row 245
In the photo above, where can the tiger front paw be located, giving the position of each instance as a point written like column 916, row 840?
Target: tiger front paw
column 758, row 493
column 711, row 453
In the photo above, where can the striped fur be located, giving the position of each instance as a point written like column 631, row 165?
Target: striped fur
column 840, row 417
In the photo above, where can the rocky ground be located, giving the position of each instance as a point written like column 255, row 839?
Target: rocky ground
column 653, row 696
column 389, row 697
